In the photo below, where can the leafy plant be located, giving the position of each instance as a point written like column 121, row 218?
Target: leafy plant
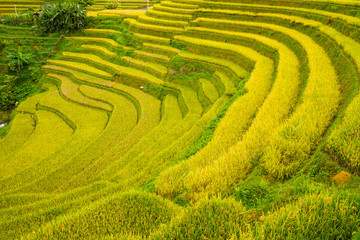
column 111, row 6
column 7, row 97
column 17, row 60
column 65, row 17
column 85, row 3
column 25, row 18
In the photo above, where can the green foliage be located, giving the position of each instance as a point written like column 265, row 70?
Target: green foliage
column 253, row 194
column 7, row 96
column 208, row 219
column 17, row 59
column 24, row 18
column 65, row 18
column 111, row 6
column 187, row 72
column 85, row 3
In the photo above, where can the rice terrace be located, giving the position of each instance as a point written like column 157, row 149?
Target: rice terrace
column 180, row 119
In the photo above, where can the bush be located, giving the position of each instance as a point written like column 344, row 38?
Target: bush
column 17, row 60
column 25, row 18
column 64, row 18
column 7, row 97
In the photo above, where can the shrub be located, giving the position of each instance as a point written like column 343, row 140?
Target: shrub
column 65, row 17
column 25, row 18
column 17, row 60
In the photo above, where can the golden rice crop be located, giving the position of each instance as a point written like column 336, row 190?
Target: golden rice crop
column 171, row 118
column 99, row 48
column 208, row 219
column 50, row 133
column 126, row 213
column 344, row 141
column 237, row 118
column 229, row 168
column 70, row 90
column 81, row 67
column 131, row 72
column 21, row 129
column 209, row 90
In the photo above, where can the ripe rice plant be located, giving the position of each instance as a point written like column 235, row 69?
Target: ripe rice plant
column 237, row 118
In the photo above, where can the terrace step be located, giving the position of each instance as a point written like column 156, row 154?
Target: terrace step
column 169, row 16
column 71, row 91
column 209, row 90
column 162, row 31
column 156, row 57
column 170, row 23
column 179, row 5
column 162, row 49
column 100, row 40
column 185, row 11
column 152, row 39
column 81, row 67
column 99, row 48
column 153, row 68
column 101, row 31
column 126, row 71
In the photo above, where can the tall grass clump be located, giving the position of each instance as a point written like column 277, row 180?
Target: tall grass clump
column 133, row 212
column 314, row 216
column 66, row 17
column 208, row 219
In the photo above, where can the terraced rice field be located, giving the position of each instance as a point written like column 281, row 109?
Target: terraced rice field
column 218, row 120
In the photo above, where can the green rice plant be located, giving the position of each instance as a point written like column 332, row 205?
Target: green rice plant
column 70, row 90
column 155, row 69
column 45, row 139
column 81, row 67
column 316, row 216
column 238, row 118
column 209, row 90
column 131, row 72
column 21, row 129
column 170, row 23
column 100, row 49
column 121, row 218
column 208, row 219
